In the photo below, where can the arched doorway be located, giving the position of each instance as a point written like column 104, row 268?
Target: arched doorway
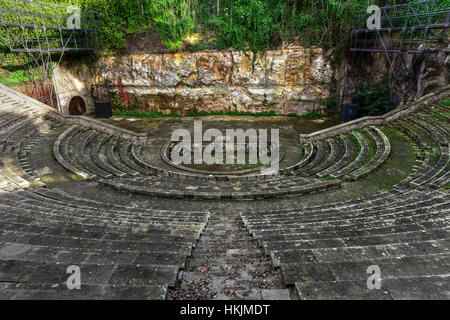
column 77, row 106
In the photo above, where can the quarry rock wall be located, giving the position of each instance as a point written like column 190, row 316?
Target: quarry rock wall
column 291, row 80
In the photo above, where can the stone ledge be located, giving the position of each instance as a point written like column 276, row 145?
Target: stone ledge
column 250, row 194
column 79, row 120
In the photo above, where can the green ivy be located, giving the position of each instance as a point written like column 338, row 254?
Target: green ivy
column 247, row 25
column 373, row 99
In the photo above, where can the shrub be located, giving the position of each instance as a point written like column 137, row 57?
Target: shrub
column 445, row 103
column 373, row 99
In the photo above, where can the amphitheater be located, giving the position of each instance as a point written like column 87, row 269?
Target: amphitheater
column 77, row 191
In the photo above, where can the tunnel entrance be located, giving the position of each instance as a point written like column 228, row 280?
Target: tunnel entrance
column 77, row 106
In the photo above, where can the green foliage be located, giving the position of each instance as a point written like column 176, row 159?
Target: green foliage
column 247, row 25
column 134, row 113
column 439, row 117
column 196, row 113
column 445, row 103
column 15, row 78
column 13, row 73
column 257, row 25
column 373, row 99
column 173, row 19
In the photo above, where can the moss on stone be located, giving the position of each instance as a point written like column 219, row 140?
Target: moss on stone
column 397, row 167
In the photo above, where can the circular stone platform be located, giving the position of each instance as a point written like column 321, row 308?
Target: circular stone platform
column 157, row 151
column 222, row 169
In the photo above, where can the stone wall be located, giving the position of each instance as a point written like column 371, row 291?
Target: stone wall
column 290, row 80
column 72, row 82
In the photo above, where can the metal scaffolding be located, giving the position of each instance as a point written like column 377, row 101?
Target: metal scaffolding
column 39, row 34
column 416, row 28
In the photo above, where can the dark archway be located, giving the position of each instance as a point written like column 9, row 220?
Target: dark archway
column 77, row 106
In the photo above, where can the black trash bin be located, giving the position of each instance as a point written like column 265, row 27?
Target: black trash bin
column 349, row 112
column 103, row 109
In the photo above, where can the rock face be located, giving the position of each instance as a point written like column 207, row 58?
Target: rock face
column 434, row 72
column 291, row 80
column 71, row 83
column 417, row 74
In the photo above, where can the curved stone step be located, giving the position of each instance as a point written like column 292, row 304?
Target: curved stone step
column 411, row 288
column 84, row 157
column 303, row 216
column 362, row 156
column 438, row 137
column 44, row 204
column 60, row 151
column 361, row 215
column 136, row 149
column 344, row 158
column 20, row 272
column 442, row 113
column 340, row 242
column 9, row 175
column 37, row 219
column 362, row 202
column 13, row 223
column 383, row 152
column 71, row 231
column 308, row 152
column 21, row 143
column 313, row 214
column 78, row 215
column 363, row 226
column 4, row 124
column 318, row 158
column 4, row 138
column 219, row 190
column 80, row 218
column 113, row 157
column 424, row 221
column 406, row 267
column 77, row 202
column 27, row 121
column 88, row 243
column 65, row 255
column 441, row 126
column 50, row 291
column 441, row 165
column 417, row 138
column 99, row 157
column 359, row 253
column 442, row 180
column 329, row 161
column 126, row 158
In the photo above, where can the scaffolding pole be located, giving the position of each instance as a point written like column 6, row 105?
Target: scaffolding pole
column 39, row 34
column 416, row 28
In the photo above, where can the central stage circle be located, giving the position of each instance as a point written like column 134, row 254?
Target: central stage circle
column 224, row 168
